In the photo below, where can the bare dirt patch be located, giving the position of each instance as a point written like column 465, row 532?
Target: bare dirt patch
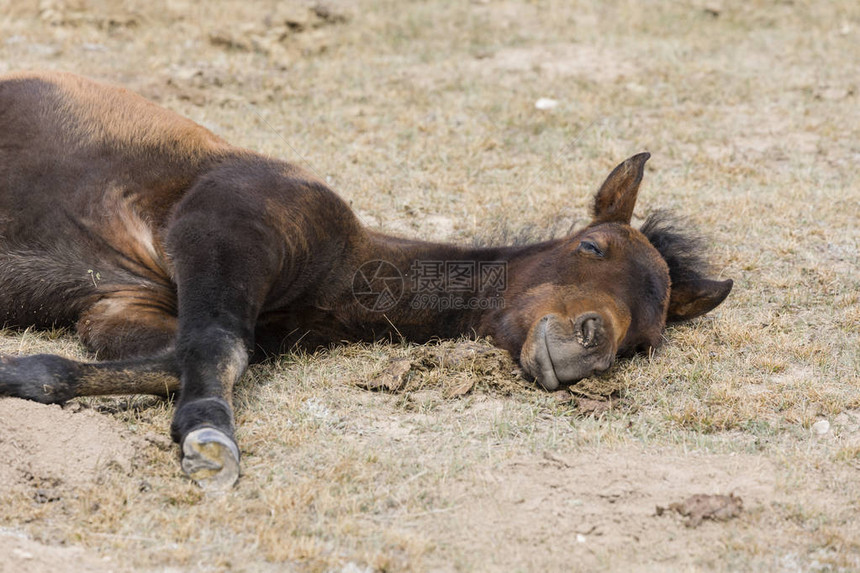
column 50, row 450
column 581, row 61
column 23, row 554
column 51, row 456
column 598, row 509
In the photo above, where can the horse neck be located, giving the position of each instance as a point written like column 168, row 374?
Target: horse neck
column 447, row 290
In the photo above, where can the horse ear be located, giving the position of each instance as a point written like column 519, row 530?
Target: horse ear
column 614, row 202
column 693, row 298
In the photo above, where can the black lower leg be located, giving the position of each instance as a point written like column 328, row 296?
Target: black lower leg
column 52, row 379
column 42, row 378
column 201, row 413
column 213, row 361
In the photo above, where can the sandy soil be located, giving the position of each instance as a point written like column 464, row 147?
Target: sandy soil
column 598, row 508
column 48, row 453
column 23, row 554
column 51, row 449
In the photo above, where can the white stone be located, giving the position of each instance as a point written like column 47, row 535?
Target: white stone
column 821, row 427
column 546, row 103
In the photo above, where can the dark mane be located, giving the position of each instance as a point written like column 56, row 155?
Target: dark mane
column 680, row 248
column 505, row 232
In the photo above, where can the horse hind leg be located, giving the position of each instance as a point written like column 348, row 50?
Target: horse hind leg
column 52, row 379
column 137, row 336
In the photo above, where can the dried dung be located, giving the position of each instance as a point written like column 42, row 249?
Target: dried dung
column 699, row 507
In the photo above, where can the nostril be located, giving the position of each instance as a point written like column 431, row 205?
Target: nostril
column 588, row 329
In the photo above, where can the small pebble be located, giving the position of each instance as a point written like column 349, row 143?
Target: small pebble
column 821, row 427
column 546, row 103
column 580, row 538
column 21, row 554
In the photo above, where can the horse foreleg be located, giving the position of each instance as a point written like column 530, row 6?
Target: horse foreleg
column 225, row 260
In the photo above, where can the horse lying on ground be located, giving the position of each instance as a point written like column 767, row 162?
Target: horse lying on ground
column 176, row 256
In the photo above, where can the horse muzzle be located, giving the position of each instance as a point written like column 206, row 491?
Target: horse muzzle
column 562, row 350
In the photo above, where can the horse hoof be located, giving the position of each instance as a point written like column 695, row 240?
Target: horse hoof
column 211, row 459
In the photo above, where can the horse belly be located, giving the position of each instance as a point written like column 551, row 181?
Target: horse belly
column 42, row 287
column 62, row 252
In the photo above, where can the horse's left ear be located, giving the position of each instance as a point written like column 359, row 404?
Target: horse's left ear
column 615, row 200
column 693, row 298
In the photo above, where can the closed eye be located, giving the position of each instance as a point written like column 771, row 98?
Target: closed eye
column 590, row 248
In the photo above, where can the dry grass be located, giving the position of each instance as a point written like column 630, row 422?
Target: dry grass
column 422, row 116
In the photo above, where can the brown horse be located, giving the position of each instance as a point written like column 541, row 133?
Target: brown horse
column 176, row 256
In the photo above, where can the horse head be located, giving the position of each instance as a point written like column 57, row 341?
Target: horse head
column 606, row 290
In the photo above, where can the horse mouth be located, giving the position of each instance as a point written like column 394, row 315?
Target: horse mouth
column 565, row 351
column 549, row 378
